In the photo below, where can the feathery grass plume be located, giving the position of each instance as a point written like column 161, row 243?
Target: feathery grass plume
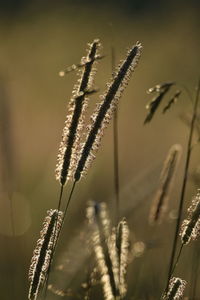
column 190, row 228
column 153, row 105
column 159, row 204
column 173, row 100
column 104, row 111
column 122, row 245
column 175, row 290
column 98, row 245
column 75, row 119
column 42, row 253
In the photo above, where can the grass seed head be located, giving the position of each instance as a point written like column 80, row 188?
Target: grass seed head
column 105, row 109
column 74, row 124
column 190, row 228
column 43, row 251
column 176, row 289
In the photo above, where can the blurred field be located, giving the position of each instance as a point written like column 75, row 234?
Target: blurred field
column 36, row 43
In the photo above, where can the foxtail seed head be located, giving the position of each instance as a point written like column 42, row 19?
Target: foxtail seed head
column 175, row 290
column 43, row 251
column 74, row 123
column 159, row 204
column 190, row 228
column 98, row 246
column 122, row 245
column 104, row 111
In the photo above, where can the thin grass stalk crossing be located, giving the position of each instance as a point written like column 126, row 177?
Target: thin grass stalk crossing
column 115, row 145
column 188, row 155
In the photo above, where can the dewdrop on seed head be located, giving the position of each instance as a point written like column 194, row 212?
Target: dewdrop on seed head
column 190, row 228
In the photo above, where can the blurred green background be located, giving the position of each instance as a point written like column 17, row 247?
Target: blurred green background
column 40, row 38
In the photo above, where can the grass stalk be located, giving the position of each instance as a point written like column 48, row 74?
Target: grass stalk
column 115, row 146
column 187, row 162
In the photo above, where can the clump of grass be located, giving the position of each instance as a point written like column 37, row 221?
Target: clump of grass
column 111, row 251
column 75, row 157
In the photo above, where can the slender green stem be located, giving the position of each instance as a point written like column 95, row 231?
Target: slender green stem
column 60, row 197
column 115, row 146
column 188, row 156
column 177, row 259
column 68, row 202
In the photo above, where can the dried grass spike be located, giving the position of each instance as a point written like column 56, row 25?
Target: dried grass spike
column 113, row 253
column 160, row 87
column 99, row 252
column 173, row 100
column 175, row 290
column 159, row 204
column 75, row 119
column 190, row 228
column 122, row 245
column 153, row 105
column 42, row 253
column 104, row 111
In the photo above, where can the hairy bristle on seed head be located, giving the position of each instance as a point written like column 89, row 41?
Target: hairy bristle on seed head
column 160, row 200
column 175, row 290
column 190, row 228
column 42, row 253
column 75, row 119
column 104, row 111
